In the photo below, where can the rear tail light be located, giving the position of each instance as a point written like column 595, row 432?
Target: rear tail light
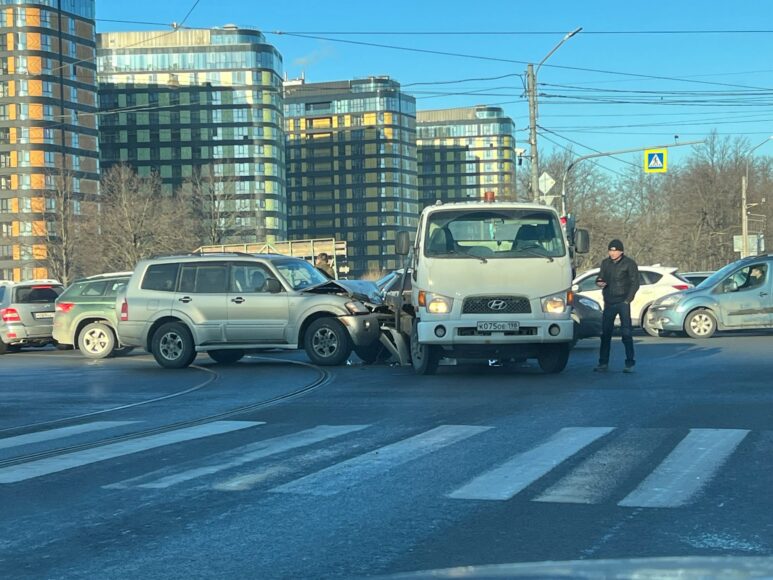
column 42, row 287
column 64, row 307
column 10, row 315
column 682, row 286
column 124, row 311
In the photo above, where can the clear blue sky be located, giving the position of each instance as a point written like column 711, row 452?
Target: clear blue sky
column 598, row 110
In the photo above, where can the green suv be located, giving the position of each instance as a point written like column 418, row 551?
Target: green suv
column 85, row 315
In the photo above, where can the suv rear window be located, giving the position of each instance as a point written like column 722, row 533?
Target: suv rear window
column 161, row 277
column 2, row 293
column 36, row 294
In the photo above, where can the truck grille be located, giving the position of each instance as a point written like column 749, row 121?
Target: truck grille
column 496, row 305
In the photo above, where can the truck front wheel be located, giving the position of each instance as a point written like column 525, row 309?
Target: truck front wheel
column 424, row 357
column 552, row 358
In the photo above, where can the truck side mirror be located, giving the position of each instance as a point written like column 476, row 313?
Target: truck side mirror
column 402, row 243
column 581, row 241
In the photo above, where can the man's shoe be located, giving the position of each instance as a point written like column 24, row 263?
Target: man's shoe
column 628, row 369
column 601, row 368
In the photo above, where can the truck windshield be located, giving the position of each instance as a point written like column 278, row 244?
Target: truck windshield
column 493, row 233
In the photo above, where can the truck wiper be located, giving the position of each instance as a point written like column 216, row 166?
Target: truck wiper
column 537, row 254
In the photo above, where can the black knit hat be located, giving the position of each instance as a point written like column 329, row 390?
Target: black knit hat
column 615, row 245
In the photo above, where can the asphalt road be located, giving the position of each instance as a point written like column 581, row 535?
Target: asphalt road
column 370, row 470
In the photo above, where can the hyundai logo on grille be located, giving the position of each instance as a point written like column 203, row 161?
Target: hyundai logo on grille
column 497, row 304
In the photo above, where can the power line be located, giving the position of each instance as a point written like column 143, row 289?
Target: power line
column 507, row 60
column 458, row 81
column 585, row 32
column 142, row 22
column 585, row 146
column 593, row 161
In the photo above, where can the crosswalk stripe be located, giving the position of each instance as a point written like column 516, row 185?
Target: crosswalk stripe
column 346, row 474
column 59, row 463
column 59, row 433
column 687, row 469
column 513, row 476
column 596, row 478
column 243, row 455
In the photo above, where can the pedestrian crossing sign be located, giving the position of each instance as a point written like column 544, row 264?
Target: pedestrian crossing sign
column 655, row 160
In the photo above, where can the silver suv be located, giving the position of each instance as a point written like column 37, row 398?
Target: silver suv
column 27, row 313
column 230, row 303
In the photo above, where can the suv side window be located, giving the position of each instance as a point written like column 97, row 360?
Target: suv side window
column 2, row 293
column 161, row 277
column 207, row 278
column 250, row 278
column 94, row 288
column 115, row 287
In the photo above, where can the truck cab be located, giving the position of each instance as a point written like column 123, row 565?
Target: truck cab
column 491, row 280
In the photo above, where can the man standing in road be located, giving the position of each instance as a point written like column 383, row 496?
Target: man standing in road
column 323, row 265
column 619, row 279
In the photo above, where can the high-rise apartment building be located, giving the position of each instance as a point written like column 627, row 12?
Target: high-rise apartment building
column 465, row 152
column 351, row 166
column 48, row 135
column 200, row 106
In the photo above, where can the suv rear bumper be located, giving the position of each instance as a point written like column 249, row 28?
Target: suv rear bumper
column 19, row 334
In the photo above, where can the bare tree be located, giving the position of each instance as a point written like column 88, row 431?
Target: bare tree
column 214, row 203
column 135, row 220
column 66, row 256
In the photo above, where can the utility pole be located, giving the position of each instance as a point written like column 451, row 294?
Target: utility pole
column 744, row 219
column 531, row 87
column 745, row 206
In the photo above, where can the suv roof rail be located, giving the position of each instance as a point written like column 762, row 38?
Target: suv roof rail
column 39, row 281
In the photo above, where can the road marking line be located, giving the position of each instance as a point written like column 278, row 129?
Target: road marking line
column 351, row 472
column 243, row 455
column 687, row 469
column 596, row 478
column 513, row 476
column 59, row 463
column 60, row 433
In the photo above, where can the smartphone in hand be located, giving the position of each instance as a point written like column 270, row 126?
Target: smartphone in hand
column 600, row 282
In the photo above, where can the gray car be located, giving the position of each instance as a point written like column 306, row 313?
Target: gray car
column 27, row 313
column 739, row 296
column 228, row 304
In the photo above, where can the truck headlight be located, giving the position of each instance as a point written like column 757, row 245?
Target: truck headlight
column 435, row 303
column 357, row 308
column 555, row 303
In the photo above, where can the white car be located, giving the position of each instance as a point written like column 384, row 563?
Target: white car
column 654, row 282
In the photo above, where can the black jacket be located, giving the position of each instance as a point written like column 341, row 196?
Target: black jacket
column 622, row 278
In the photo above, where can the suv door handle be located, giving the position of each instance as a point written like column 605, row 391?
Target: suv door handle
column 763, row 294
column 238, row 300
column 185, row 299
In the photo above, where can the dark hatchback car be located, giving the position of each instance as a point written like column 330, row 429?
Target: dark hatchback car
column 27, row 313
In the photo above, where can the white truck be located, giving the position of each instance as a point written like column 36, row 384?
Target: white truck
column 490, row 280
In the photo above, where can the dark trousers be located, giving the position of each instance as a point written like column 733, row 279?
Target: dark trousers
column 612, row 311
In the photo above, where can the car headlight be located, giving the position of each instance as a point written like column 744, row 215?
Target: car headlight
column 435, row 303
column 357, row 308
column 555, row 303
column 670, row 300
column 588, row 303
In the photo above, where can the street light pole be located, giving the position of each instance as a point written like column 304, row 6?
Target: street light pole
column 569, row 167
column 531, row 89
column 744, row 206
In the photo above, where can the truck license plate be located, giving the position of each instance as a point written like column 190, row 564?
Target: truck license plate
column 498, row 326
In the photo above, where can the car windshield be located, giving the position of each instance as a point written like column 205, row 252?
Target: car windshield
column 300, row 274
column 494, row 233
column 718, row 276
